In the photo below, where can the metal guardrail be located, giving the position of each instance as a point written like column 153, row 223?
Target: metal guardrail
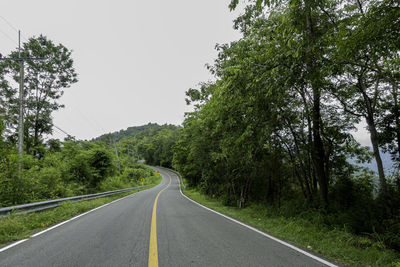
column 48, row 204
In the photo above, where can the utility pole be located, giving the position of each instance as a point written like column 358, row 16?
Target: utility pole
column 21, row 61
column 112, row 143
column 116, row 152
column 132, row 153
column 21, row 100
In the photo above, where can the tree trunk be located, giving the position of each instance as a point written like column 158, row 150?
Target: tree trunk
column 373, row 134
column 308, row 173
column 375, row 146
column 318, row 153
column 241, row 200
column 302, row 166
column 396, row 117
column 318, row 148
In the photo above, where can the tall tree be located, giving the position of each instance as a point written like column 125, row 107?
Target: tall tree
column 368, row 52
column 306, row 28
column 44, row 82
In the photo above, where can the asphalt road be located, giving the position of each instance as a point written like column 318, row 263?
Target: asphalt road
column 185, row 235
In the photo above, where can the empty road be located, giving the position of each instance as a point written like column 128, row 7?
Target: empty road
column 155, row 227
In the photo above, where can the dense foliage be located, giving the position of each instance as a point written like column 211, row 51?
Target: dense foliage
column 129, row 132
column 151, row 142
column 276, row 125
column 66, row 169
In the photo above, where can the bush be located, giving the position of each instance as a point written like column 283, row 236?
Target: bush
column 79, row 169
column 353, row 203
column 134, row 175
column 66, row 169
column 101, row 165
column 130, row 177
column 16, row 187
column 50, row 184
column 114, row 183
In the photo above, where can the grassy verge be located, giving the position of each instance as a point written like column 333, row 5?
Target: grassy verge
column 335, row 244
column 17, row 227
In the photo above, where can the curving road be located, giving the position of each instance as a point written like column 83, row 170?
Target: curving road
column 178, row 233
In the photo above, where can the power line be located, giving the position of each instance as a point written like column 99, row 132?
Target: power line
column 57, row 132
column 9, row 24
column 62, row 130
column 12, row 26
column 8, row 36
column 91, row 122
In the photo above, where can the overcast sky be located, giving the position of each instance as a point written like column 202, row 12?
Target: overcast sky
column 135, row 59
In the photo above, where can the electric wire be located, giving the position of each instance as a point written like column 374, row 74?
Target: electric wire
column 12, row 26
column 91, row 122
column 61, row 130
column 9, row 37
column 55, row 132
column 94, row 124
column 9, row 24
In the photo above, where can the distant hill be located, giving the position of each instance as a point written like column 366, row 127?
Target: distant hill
column 135, row 130
column 387, row 162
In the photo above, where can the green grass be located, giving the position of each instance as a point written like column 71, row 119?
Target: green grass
column 334, row 244
column 17, row 227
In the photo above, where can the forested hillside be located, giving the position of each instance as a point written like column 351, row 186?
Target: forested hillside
column 129, row 132
column 154, row 144
column 275, row 126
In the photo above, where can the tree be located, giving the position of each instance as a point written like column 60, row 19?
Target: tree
column 3, row 144
column 101, row 163
column 43, row 84
column 303, row 37
column 367, row 57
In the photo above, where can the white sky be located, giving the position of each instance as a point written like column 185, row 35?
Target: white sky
column 135, row 59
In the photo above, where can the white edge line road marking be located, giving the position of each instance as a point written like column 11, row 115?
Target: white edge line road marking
column 61, row 223
column 12, row 245
column 262, row 233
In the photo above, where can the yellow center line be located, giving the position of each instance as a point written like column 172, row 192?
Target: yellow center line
column 153, row 252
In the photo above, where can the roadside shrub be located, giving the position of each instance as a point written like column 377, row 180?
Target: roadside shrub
column 353, row 203
column 151, row 180
column 101, row 165
column 390, row 230
column 79, row 169
column 16, row 187
column 137, row 172
column 50, row 184
column 113, row 183
column 130, row 174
